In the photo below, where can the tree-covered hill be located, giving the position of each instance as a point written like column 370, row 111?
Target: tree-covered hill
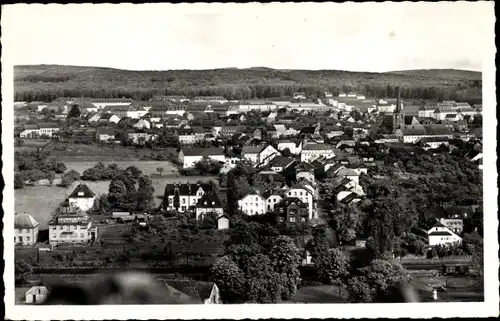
column 46, row 82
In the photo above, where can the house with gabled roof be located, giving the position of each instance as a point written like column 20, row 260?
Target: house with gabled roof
column 253, row 203
column 260, row 155
column 292, row 210
column 437, row 233
column 82, row 197
column 194, row 292
column 311, row 151
column 209, row 203
column 183, row 196
column 306, row 193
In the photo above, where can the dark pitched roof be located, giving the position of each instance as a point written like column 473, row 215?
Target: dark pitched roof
column 209, row 200
column 82, row 191
column 287, row 201
column 440, row 233
column 186, row 189
column 199, row 151
column 282, row 161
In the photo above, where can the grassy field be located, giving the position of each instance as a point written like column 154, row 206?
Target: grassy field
column 41, row 201
column 319, row 294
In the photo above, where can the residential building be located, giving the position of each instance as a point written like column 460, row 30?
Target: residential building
column 33, row 131
column 209, row 203
column 260, row 155
column 142, row 124
column 70, row 225
column 260, row 105
column 109, row 118
column 280, row 163
column 171, row 98
column 305, row 193
column 210, row 99
column 118, row 110
column 25, row 229
column 307, row 174
column 184, row 196
column 252, row 204
column 36, row 295
column 82, row 197
column 299, row 95
column 222, row 222
column 105, row 134
column 272, row 198
column 138, row 137
column 439, row 234
column 191, row 135
column 294, row 147
column 94, row 118
column 190, row 156
column 426, row 112
column 311, row 151
column 292, row 210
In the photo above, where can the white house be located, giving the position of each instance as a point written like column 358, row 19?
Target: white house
column 307, row 174
column 426, row 111
column 291, row 145
column 222, row 222
column 272, row 198
column 136, row 113
column 259, row 155
column 142, row 123
column 299, row 95
column 348, row 173
column 32, row 131
column 252, row 204
column 182, row 197
column 190, row 156
column 441, row 235
column 82, row 197
column 311, row 151
column 94, row 118
column 36, row 295
column 71, row 226
column 25, row 229
column 305, row 194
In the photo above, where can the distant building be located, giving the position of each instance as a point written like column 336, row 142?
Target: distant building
column 312, row 151
column 34, row 131
column 222, row 222
column 25, row 229
column 188, row 157
column 182, row 197
column 105, row 134
column 252, row 204
column 82, row 197
column 299, row 95
column 209, row 203
column 259, row 155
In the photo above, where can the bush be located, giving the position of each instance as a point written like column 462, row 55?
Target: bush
column 69, row 177
column 18, row 180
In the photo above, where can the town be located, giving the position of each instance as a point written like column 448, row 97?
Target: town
column 330, row 194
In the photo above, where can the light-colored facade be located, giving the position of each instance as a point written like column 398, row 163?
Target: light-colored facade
column 71, row 226
column 441, row 235
column 305, row 195
column 36, row 295
column 25, row 229
column 271, row 202
column 312, row 151
column 188, row 158
column 82, row 197
column 252, row 204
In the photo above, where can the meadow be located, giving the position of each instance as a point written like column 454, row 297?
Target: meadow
column 41, row 200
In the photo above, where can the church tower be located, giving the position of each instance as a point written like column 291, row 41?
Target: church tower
column 398, row 116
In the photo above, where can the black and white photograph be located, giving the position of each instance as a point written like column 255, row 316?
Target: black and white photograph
column 248, row 158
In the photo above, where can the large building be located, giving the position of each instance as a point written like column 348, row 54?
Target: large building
column 182, row 197
column 70, row 225
column 25, row 229
column 209, row 203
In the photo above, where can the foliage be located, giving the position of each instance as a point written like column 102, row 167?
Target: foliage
column 285, row 259
column 318, row 246
column 229, row 279
column 48, row 82
column 69, row 177
column 359, row 290
column 334, row 266
column 18, row 180
column 74, row 112
column 50, row 176
column 160, row 170
column 34, row 175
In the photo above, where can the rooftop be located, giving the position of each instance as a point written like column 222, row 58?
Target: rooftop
column 24, row 220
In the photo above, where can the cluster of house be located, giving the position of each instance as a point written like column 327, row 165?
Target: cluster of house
column 69, row 225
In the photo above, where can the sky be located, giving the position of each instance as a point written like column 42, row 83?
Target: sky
column 373, row 37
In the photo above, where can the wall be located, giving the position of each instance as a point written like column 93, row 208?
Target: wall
column 25, row 233
column 80, row 234
column 84, row 204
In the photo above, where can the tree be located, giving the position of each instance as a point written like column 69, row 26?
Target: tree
column 177, row 200
column 91, row 174
column 264, row 284
column 35, row 175
column 18, row 180
column 74, row 112
column 241, row 254
column 318, row 246
column 229, row 279
column 116, row 186
column 50, row 176
column 285, row 259
column 160, row 170
column 333, row 267
column 22, row 270
column 145, row 193
column 133, row 172
column 359, row 290
column 286, row 152
column 69, row 177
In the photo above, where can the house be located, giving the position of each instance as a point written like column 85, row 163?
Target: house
column 348, row 173
column 105, row 134
column 294, row 147
column 94, row 118
column 311, row 151
column 252, row 204
column 36, row 295
column 71, row 225
column 171, row 98
column 191, row 135
column 280, row 163
column 328, row 94
column 182, row 197
column 299, row 95
column 139, row 137
column 33, row 131
column 109, row 118
column 25, row 229
column 210, row 100
column 82, row 197
column 209, row 203
column 272, row 197
column 188, row 157
column 137, row 112
column 292, row 210
column 30, row 131
column 229, row 131
column 142, row 124
column 222, row 222
column 118, row 110
column 307, row 174
column 439, row 234
column 196, row 291
column 260, row 155
column 305, row 193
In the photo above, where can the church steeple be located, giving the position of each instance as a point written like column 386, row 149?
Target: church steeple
column 397, row 116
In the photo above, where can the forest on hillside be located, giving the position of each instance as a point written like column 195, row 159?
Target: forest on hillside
column 47, row 82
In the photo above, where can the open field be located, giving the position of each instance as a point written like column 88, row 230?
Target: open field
column 30, row 144
column 319, row 294
column 147, row 167
column 41, row 201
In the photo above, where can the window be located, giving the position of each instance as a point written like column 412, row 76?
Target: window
column 292, row 219
column 183, row 201
column 300, row 193
column 27, row 238
column 294, row 193
column 20, row 239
